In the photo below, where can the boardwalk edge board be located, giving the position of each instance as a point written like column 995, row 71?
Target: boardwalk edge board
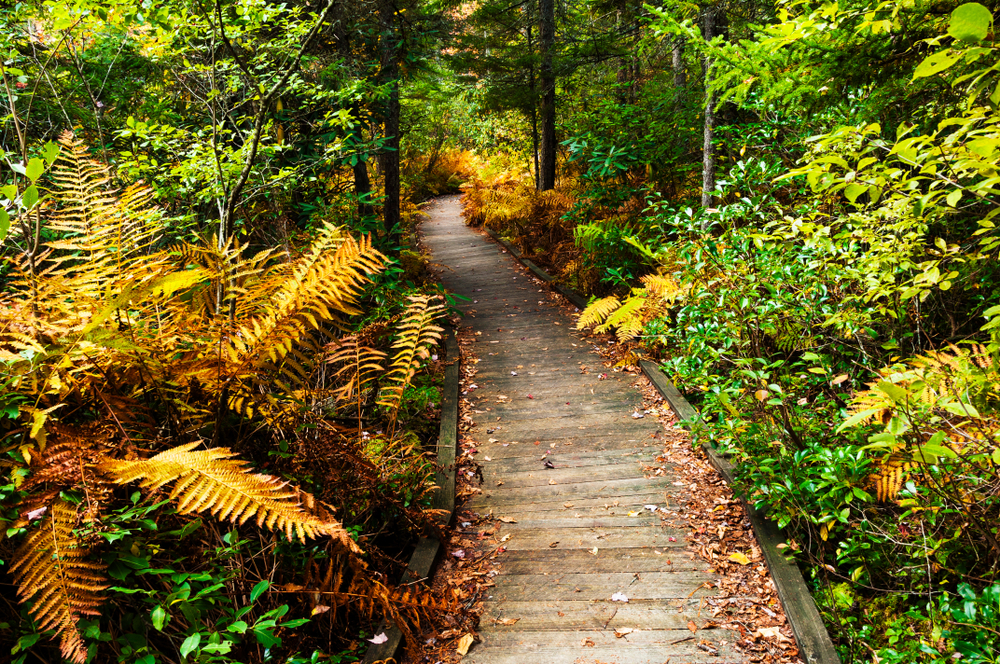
column 815, row 646
column 428, row 548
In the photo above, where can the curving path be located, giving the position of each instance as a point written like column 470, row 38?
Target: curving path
column 573, row 543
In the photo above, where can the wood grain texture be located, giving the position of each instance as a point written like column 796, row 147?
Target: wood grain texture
column 580, row 415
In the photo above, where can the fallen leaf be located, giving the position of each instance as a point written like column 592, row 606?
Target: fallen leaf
column 507, row 519
column 619, row 597
column 507, row 621
column 587, row 643
column 458, row 554
column 463, row 644
column 381, row 638
column 504, row 538
column 567, row 505
column 771, row 633
column 553, row 545
column 552, row 481
column 692, row 626
column 637, row 415
column 487, row 458
column 739, row 558
column 594, row 551
column 634, row 513
column 320, row 608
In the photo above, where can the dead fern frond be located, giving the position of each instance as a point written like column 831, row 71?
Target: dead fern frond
column 212, row 481
column 359, row 366
column 52, row 572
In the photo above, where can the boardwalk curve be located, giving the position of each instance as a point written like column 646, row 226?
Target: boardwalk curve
column 573, row 546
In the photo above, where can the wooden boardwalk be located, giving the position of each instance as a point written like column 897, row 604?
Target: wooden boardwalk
column 574, row 545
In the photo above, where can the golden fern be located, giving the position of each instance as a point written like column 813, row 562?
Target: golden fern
column 597, row 312
column 212, row 481
column 417, row 333
column 359, row 365
column 52, row 572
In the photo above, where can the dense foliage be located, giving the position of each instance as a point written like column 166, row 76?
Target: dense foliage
column 219, row 362
column 830, row 300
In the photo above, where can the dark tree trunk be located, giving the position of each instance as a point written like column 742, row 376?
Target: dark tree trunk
column 547, row 80
column 389, row 64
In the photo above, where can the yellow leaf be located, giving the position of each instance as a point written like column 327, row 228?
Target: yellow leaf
column 464, row 643
column 824, row 532
column 760, row 395
column 839, row 379
column 739, row 558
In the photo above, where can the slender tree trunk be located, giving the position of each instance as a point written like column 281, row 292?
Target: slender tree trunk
column 547, row 79
column 362, row 183
column 534, row 111
column 680, row 73
column 708, row 153
column 390, row 157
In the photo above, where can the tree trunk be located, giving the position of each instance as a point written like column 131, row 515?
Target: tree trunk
column 362, row 183
column 680, row 73
column 389, row 64
column 547, row 79
column 534, row 110
column 708, row 153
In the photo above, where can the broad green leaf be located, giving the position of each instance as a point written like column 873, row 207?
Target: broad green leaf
column 258, row 590
column 4, row 224
column 159, row 617
column 9, row 192
column 29, row 197
column 190, row 644
column 937, row 63
column 954, row 197
column 970, row 22
column 857, row 418
column 894, row 392
column 854, row 191
column 35, row 169
column 50, row 152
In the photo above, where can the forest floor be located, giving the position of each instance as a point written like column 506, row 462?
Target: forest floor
column 590, row 530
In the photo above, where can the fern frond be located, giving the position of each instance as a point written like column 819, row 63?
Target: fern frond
column 359, row 366
column 597, row 312
column 52, row 572
column 212, row 481
column 627, row 318
column 417, row 333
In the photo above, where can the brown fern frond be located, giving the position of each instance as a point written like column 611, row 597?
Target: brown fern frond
column 52, row 572
column 212, row 481
column 359, row 366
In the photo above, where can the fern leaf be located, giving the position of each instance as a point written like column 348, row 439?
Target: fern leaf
column 52, row 572
column 597, row 312
column 417, row 333
column 212, row 481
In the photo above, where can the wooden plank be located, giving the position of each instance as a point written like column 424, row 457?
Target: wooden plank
column 563, row 615
column 584, row 538
column 580, row 561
